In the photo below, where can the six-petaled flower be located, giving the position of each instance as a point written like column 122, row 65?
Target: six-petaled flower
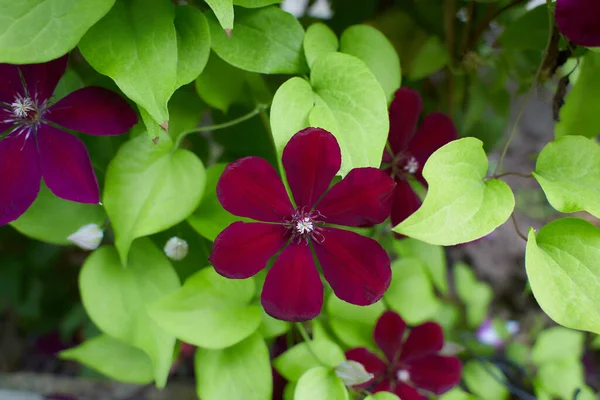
column 412, row 366
column 33, row 143
column 356, row 267
column 579, row 21
column 410, row 148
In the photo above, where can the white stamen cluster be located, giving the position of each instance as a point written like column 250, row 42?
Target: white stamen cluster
column 412, row 165
column 22, row 106
column 403, row 375
column 304, row 226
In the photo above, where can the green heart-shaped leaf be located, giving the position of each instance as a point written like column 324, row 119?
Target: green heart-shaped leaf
column 300, row 358
column 223, row 10
column 562, row 267
column 461, row 205
column 319, row 40
column 320, row 383
column 115, row 297
column 209, row 311
column 568, row 170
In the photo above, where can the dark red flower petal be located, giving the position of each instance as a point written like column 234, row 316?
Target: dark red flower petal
column 372, row 363
column 436, row 131
column 400, row 389
column 404, row 116
column 388, row 334
column 423, row 340
column 356, row 267
column 362, row 198
column 41, row 79
column 244, row 248
column 438, row 374
column 95, row 111
column 10, row 83
column 250, row 187
column 578, row 20
column 293, row 290
column 20, row 176
column 311, row 159
column 405, row 202
column 66, row 166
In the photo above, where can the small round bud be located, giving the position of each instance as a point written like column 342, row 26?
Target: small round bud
column 88, row 237
column 176, row 248
column 352, row 373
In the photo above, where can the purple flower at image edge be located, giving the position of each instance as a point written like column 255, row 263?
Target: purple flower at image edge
column 579, row 21
column 33, row 140
column 356, row 267
column 409, row 148
column 410, row 364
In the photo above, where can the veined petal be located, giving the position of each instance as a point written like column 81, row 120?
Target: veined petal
column 244, row 248
column 578, row 21
column 356, row 267
column 362, row 198
column 370, row 361
column 389, row 333
column 311, row 159
column 41, row 79
column 20, row 176
column 250, row 187
column 293, row 290
column 436, row 131
column 438, row 374
column 405, row 201
column 95, row 111
column 423, row 340
column 10, row 83
column 405, row 111
column 66, row 166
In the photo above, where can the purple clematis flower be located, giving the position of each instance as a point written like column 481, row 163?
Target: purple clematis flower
column 579, row 21
column 409, row 364
column 356, row 267
column 33, row 144
column 410, row 148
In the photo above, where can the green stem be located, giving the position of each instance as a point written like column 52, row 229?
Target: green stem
column 529, row 92
column 307, row 340
column 223, row 125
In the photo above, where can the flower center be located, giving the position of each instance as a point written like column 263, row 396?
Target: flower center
column 305, row 226
column 404, row 164
column 22, row 107
column 411, row 166
column 24, row 113
column 403, row 375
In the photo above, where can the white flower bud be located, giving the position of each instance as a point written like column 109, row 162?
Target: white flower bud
column 352, row 373
column 176, row 248
column 88, row 237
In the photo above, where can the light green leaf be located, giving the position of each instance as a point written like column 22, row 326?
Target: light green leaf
column 484, row 380
column 209, row 311
column 433, row 257
column 115, row 297
column 223, row 10
column 242, row 371
column 476, row 295
column 557, row 344
column 319, row 40
column 296, row 361
column 113, row 358
column 52, row 219
column 568, row 170
column 579, row 115
column 457, row 394
column 382, row 396
column 562, row 267
column 37, row 31
column 149, row 50
column 210, row 218
column 265, row 40
column 150, row 188
column 353, row 325
column 410, row 281
column 255, row 3
column 561, row 378
column 432, row 57
column 461, row 205
column 320, row 383
column 220, row 84
column 271, row 328
column 372, row 47
column 360, row 111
